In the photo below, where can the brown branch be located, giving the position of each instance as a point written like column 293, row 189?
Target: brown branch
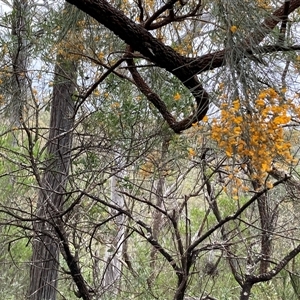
column 164, row 56
column 140, row 6
column 148, row 235
column 234, row 216
column 284, row 21
column 214, row 60
column 184, row 68
column 272, row 273
column 97, row 82
column 273, row 48
column 141, row 40
column 270, row 22
column 83, row 291
column 159, row 104
column 172, row 17
column 149, row 94
column 156, row 14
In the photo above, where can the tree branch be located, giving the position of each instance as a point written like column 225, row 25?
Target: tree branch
column 234, row 216
column 184, row 68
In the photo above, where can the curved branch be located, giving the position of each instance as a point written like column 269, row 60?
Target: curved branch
column 171, row 17
column 160, row 105
column 184, row 68
column 148, row 236
column 270, row 22
column 214, row 60
column 272, row 273
column 163, row 56
column 234, row 216
column 156, row 14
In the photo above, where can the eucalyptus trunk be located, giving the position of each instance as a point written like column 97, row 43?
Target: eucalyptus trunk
column 46, row 248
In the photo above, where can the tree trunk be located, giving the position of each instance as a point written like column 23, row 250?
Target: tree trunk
column 113, row 267
column 266, row 222
column 45, row 258
column 157, row 215
column 246, row 290
column 19, row 62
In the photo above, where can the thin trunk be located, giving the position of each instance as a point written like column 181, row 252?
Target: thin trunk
column 266, row 227
column 19, row 61
column 157, row 215
column 45, row 258
column 246, row 291
column 113, row 266
column 266, row 224
column 181, row 286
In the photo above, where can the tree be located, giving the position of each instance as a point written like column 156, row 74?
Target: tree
column 45, row 259
column 238, row 54
column 184, row 68
column 49, row 234
column 115, row 202
column 19, row 60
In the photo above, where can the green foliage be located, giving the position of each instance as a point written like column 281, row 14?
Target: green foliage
column 14, row 256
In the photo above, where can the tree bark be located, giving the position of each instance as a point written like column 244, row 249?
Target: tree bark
column 45, row 258
column 19, row 62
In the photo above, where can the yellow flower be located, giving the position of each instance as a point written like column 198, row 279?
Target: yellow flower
column 177, row 96
column 221, row 85
column 265, row 167
column 100, row 55
column 237, row 130
column 228, row 152
column 233, row 29
column 272, row 93
column 115, row 105
column 236, row 105
column 192, row 152
column 96, row 93
column 205, row 119
column 262, row 95
column 281, row 120
column 259, row 102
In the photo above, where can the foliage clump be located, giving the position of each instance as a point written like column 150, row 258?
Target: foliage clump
column 256, row 133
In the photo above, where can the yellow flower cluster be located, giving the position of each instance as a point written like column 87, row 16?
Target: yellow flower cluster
column 191, row 152
column 256, row 136
column 177, row 96
column 233, row 29
column 146, row 169
column 68, row 48
column 265, row 4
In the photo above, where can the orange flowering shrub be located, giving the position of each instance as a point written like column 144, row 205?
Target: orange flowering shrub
column 256, row 136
